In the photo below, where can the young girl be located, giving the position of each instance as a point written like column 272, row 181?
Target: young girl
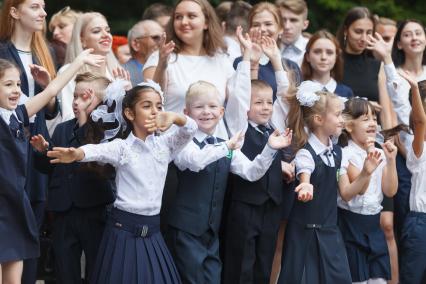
column 413, row 244
column 132, row 249
column 323, row 63
column 17, row 223
column 313, row 249
column 359, row 214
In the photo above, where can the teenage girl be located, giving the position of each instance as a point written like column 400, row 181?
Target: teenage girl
column 313, row 248
column 132, row 249
column 359, row 214
column 18, row 226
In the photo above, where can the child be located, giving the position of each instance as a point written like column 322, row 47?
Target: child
column 79, row 203
column 359, row 215
column 323, row 63
column 132, row 249
column 256, row 208
column 313, row 249
column 17, row 224
column 294, row 15
column 413, row 242
column 195, row 216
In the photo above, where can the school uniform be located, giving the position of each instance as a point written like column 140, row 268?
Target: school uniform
column 254, row 216
column 18, row 227
column 132, row 249
column 359, row 222
column 413, row 241
column 78, row 197
column 195, row 217
column 314, row 250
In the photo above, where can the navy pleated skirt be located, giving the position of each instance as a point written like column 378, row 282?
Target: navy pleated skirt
column 365, row 244
column 132, row 250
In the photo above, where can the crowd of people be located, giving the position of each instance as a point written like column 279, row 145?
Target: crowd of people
column 212, row 145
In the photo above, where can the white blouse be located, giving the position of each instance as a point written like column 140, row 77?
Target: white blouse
column 141, row 166
column 417, row 167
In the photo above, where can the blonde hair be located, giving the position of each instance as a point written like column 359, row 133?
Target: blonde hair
column 38, row 42
column 75, row 47
column 66, row 15
column 300, row 116
column 101, row 82
column 198, row 89
column 297, row 7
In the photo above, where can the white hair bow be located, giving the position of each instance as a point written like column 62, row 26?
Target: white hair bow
column 153, row 85
column 306, row 93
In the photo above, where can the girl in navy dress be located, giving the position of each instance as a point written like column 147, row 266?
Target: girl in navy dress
column 314, row 251
column 323, row 63
column 359, row 214
column 132, row 249
column 18, row 226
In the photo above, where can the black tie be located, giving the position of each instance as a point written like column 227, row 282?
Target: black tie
column 328, row 155
column 210, row 140
column 14, row 126
column 263, row 129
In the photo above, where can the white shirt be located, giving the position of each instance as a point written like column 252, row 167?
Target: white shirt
column 234, row 48
column 305, row 162
column 6, row 114
column 141, row 166
column 368, row 203
column 27, row 59
column 183, row 70
column 196, row 159
column 295, row 51
column 417, row 167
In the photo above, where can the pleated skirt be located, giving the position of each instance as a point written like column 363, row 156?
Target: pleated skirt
column 133, row 250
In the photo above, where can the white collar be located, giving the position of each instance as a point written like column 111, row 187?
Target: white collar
column 330, row 85
column 7, row 114
column 318, row 146
column 299, row 44
column 201, row 136
column 356, row 148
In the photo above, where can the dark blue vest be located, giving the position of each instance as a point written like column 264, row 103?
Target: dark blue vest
column 270, row 186
column 199, row 198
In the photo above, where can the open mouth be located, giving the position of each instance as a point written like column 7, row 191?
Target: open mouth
column 14, row 100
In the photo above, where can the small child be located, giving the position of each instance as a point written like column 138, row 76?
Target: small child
column 314, row 251
column 132, row 249
column 204, row 166
column 18, row 226
column 359, row 214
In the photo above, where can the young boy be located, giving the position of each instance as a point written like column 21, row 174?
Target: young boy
column 294, row 14
column 204, row 165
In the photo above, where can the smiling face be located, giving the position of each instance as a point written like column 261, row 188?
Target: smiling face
column 412, row 40
column 362, row 128
column 206, row 110
column 30, row 15
column 332, row 121
column 260, row 105
column 189, row 22
column 265, row 21
column 357, row 34
column 322, row 56
column 97, row 35
column 10, row 89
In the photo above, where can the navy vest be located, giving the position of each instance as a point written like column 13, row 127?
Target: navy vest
column 271, row 185
column 199, row 198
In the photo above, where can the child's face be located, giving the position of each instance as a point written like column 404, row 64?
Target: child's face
column 413, row 40
column 97, row 35
column 322, row 56
column 10, row 89
column 148, row 105
column 357, row 35
column 206, row 110
column 260, row 106
column 267, row 24
column 293, row 26
column 363, row 127
column 333, row 119
column 31, row 15
column 82, row 99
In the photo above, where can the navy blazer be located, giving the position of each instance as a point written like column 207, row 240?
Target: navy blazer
column 71, row 185
column 36, row 182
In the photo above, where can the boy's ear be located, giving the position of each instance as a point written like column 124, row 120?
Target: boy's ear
column 222, row 111
column 305, row 24
column 129, row 114
column 185, row 111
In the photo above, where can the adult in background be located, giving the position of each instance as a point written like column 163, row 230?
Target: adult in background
column 158, row 12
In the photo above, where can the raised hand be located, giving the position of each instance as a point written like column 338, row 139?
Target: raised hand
column 381, row 49
column 256, row 39
column 87, row 57
column 165, row 49
column 39, row 143
column 305, row 192
column 123, row 74
column 407, row 75
column 235, row 142
column 65, row 155
column 160, row 121
column 279, row 141
column 372, row 161
column 244, row 39
column 270, row 48
column 390, row 150
column 40, row 75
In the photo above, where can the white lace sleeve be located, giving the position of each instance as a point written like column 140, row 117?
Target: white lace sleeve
column 115, row 152
column 178, row 137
